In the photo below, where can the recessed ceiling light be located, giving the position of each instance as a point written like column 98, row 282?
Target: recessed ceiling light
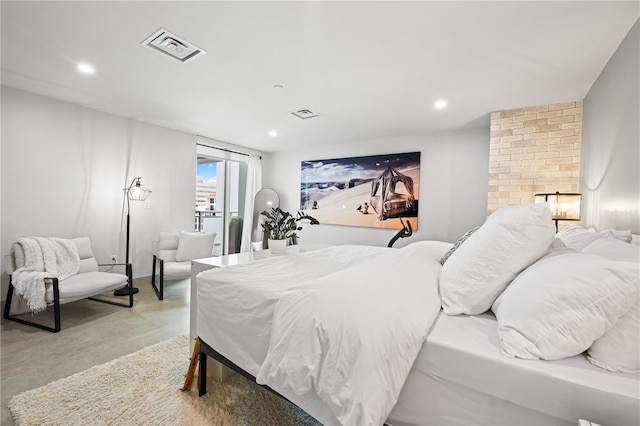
column 273, row 133
column 86, row 69
column 441, row 104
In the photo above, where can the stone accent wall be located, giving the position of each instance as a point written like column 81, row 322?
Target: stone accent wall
column 532, row 150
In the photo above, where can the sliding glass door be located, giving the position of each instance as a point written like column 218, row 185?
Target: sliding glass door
column 220, row 194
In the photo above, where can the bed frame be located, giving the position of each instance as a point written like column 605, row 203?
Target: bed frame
column 205, row 351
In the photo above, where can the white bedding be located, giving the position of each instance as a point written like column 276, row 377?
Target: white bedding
column 350, row 338
column 460, row 377
column 235, row 305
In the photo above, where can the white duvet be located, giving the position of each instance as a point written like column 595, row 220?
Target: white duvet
column 351, row 337
column 236, row 304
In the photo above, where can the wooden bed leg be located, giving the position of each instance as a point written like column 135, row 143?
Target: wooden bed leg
column 195, row 357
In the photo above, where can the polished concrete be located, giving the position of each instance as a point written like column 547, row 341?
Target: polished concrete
column 92, row 333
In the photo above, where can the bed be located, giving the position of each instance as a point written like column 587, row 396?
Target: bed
column 454, row 371
column 460, row 377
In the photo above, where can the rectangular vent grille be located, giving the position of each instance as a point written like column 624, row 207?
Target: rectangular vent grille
column 178, row 48
column 304, row 113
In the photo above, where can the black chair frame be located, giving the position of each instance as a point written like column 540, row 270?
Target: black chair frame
column 159, row 288
column 56, row 301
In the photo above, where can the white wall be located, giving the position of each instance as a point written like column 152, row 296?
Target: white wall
column 453, row 184
column 610, row 175
column 64, row 168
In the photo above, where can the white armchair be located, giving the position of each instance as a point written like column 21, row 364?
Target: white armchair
column 88, row 282
column 175, row 252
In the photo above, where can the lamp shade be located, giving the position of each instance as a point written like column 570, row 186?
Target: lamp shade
column 136, row 191
column 564, row 206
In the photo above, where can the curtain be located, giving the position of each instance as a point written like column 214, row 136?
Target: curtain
column 254, row 184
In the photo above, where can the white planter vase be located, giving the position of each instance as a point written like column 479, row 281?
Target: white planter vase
column 277, row 246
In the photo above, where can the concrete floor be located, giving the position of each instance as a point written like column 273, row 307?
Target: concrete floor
column 92, row 334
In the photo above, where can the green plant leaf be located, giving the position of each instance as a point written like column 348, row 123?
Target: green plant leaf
column 280, row 224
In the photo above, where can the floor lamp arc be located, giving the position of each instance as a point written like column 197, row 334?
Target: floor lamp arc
column 136, row 191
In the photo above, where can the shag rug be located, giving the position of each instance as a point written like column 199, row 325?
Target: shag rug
column 144, row 388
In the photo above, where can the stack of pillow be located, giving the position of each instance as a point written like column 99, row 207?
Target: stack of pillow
column 553, row 296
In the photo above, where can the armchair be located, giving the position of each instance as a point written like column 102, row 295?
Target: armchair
column 88, row 282
column 175, row 252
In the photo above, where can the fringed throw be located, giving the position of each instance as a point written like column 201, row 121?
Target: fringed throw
column 43, row 258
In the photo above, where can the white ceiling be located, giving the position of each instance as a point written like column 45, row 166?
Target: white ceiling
column 371, row 69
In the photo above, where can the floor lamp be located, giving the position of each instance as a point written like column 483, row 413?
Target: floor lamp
column 136, row 192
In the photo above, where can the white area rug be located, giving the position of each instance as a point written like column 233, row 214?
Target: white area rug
column 144, row 388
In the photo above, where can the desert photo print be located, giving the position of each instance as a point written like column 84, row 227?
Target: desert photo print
column 374, row 191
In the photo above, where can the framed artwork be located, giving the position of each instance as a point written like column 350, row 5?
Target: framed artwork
column 374, row 191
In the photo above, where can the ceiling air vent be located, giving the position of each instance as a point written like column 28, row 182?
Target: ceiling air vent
column 304, row 113
column 170, row 44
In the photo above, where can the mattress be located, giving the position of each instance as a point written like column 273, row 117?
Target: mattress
column 459, row 376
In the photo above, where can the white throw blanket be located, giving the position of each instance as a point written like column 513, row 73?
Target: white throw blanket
column 43, row 258
column 351, row 337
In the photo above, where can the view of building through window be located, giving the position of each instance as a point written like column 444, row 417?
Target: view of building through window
column 206, row 180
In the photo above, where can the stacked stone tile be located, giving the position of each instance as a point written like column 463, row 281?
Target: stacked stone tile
column 533, row 150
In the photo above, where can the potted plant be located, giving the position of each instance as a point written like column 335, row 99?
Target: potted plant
column 280, row 226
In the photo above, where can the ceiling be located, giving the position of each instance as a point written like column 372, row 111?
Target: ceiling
column 372, row 70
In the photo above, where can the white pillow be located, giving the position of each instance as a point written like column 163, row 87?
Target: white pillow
column 578, row 237
column 457, row 244
column 624, row 235
column 476, row 273
column 619, row 349
column 168, row 240
column 557, row 248
column 194, row 245
column 560, row 305
column 615, row 249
